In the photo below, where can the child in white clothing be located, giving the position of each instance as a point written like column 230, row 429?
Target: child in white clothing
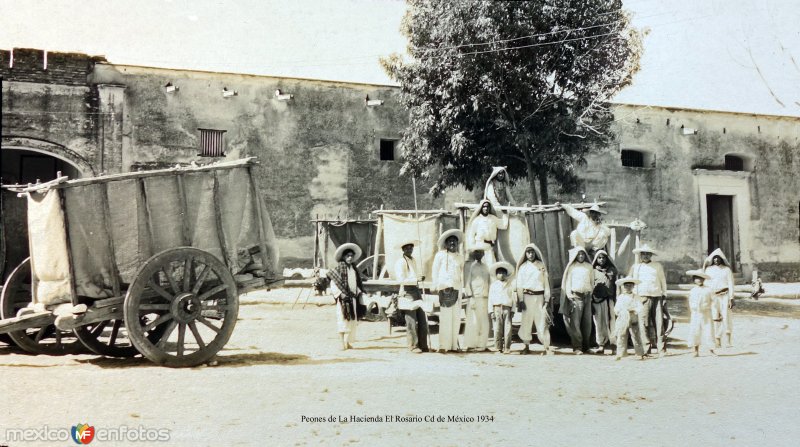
column 630, row 316
column 701, row 299
column 501, row 299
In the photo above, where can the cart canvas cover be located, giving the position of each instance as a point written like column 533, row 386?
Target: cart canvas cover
column 113, row 226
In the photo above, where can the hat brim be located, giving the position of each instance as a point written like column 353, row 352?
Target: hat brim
column 623, row 281
column 357, row 252
column 458, row 234
column 402, row 244
column 501, row 265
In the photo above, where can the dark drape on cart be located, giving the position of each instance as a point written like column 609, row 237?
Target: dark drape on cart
column 331, row 234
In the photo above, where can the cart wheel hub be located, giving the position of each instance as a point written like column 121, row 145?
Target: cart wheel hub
column 186, row 308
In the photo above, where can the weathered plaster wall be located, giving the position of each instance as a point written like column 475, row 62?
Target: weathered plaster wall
column 667, row 197
column 318, row 152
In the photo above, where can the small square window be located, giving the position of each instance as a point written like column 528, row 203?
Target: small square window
column 734, row 163
column 212, row 143
column 387, row 148
column 632, row 159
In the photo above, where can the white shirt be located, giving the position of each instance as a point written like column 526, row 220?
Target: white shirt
column 500, row 293
column 700, row 300
column 627, row 302
column 478, row 279
column 404, row 271
column 447, row 270
column 579, row 278
column 531, row 276
column 484, row 228
column 590, row 232
column 653, row 282
column 721, row 278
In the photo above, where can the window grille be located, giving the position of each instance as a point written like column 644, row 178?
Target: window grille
column 212, row 143
column 632, row 159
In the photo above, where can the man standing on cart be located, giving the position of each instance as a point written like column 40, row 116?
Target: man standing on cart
column 410, row 300
column 591, row 234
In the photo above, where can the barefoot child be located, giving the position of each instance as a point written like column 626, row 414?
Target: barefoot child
column 701, row 299
column 501, row 299
column 630, row 313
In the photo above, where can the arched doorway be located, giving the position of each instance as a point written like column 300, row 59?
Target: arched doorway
column 23, row 165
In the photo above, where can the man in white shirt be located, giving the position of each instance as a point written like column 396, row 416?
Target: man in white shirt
column 476, row 331
column 533, row 292
column 448, row 266
column 576, row 299
column 416, row 320
column 591, row 233
column 652, row 289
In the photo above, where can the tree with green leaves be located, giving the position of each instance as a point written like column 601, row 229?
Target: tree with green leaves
column 522, row 84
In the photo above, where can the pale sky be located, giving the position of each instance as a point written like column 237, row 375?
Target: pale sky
column 732, row 55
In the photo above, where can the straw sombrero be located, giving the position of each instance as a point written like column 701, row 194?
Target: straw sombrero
column 447, row 234
column 348, row 246
column 645, row 249
column 596, row 209
column 627, row 279
column 405, row 242
column 699, row 273
column 502, row 264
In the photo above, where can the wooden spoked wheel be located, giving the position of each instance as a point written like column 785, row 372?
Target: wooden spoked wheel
column 37, row 340
column 189, row 297
column 109, row 338
column 366, row 265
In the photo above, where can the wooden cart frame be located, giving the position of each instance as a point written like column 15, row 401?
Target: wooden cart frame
column 181, row 305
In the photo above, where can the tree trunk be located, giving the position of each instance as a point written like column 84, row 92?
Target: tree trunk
column 543, row 186
column 531, row 173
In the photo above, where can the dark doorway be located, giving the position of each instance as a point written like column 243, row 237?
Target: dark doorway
column 720, row 226
column 21, row 166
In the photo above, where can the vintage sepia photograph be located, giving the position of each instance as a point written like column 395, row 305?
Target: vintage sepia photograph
column 399, row 222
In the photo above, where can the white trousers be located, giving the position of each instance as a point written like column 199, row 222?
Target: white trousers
column 700, row 327
column 346, row 326
column 534, row 314
column 720, row 310
column 449, row 326
column 476, row 332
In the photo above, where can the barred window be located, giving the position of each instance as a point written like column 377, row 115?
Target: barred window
column 212, row 143
column 632, row 159
column 734, row 163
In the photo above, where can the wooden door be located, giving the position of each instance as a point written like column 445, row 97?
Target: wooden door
column 720, row 226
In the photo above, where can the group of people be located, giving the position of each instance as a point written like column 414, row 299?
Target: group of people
column 592, row 292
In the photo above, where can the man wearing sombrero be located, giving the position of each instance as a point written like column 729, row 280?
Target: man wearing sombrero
column 591, row 233
column 416, row 320
column 652, row 289
column 447, row 277
column 346, row 287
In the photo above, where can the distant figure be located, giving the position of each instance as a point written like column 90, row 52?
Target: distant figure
column 346, row 286
column 719, row 270
column 630, row 318
column 498, row 190
column 700, row 305
column 576, row 299
column 533, row 295
column 652, row 289
column 501, row 298
column 447, row 276
column 482, row 229
column 591, row 233
column 416, row 320
column 476, row 289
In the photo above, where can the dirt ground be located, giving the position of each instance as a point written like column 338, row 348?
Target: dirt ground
column 283, row 365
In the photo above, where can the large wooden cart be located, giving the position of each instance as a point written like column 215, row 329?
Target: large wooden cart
column 148, row 262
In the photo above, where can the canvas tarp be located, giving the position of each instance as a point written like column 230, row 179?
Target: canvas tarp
column 398, row 228
column 333, row 234
column 48, row 244
column 144, row 218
